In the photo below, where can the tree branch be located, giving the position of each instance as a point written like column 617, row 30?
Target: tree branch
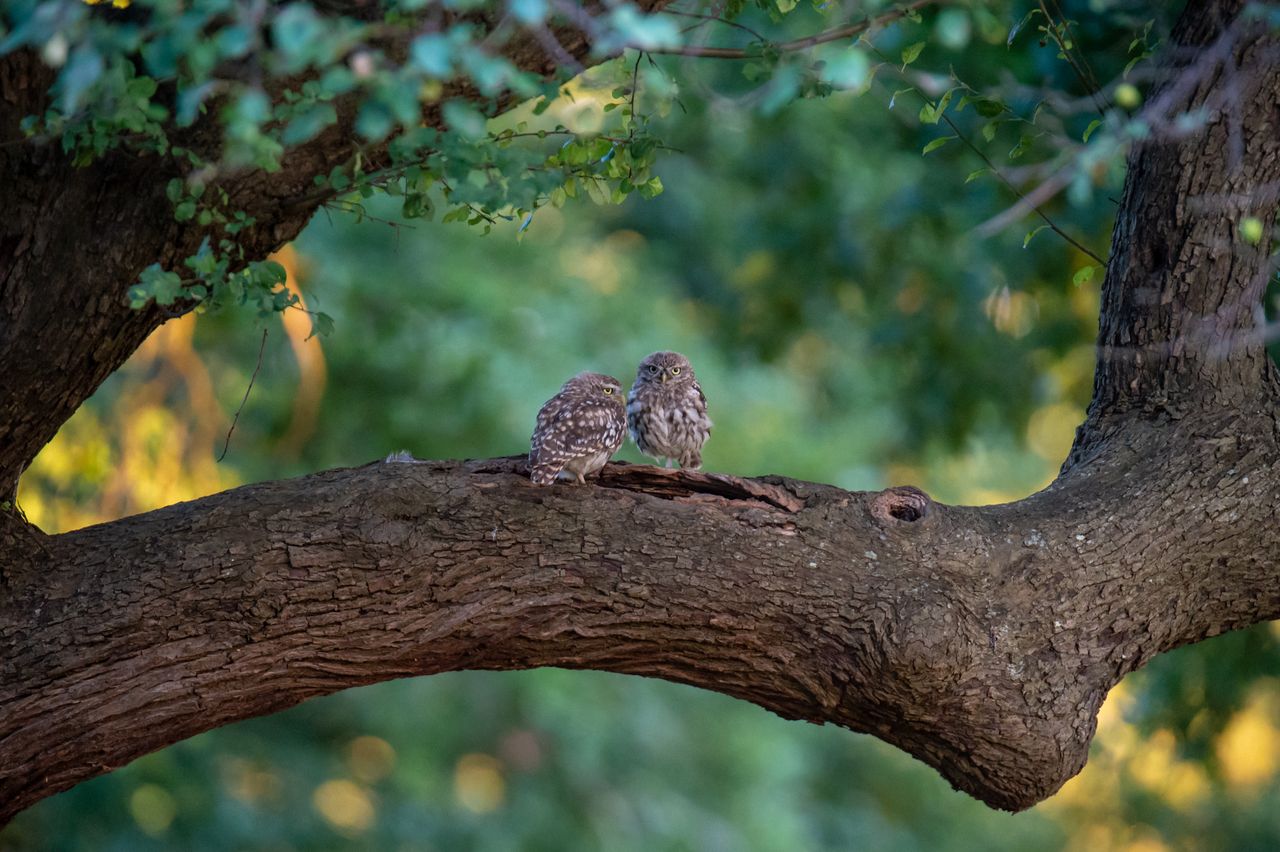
column 980, row 640
column 803, row 43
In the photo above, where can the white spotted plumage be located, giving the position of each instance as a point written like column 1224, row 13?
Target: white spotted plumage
column 667, row 411
column 578, row 429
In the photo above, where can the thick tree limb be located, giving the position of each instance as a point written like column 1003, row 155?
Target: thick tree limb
column 981, row 640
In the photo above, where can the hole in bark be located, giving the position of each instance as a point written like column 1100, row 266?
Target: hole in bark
column 905, row 513
column 904, row 505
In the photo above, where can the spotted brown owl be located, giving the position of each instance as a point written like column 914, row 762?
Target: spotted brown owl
column 578, row 429
column 667, row 412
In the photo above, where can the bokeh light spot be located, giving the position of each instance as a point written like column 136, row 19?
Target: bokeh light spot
column 478, row 784
column 344, row 805
column 153, row 809
column 1249, row 747
column 371, row 758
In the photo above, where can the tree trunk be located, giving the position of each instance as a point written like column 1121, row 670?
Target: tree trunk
column 981, row 640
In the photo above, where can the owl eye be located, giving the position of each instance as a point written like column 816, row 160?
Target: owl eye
column 608, row 391
column 653, row 368
column 675, row 371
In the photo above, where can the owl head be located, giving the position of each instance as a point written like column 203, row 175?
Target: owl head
column 594, row 385
column 665, row 368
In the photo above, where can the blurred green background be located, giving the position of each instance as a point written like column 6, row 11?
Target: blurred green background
column 847, row 326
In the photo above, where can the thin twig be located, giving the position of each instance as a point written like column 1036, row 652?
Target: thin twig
column 1092, row 79
column 1086, row 80
column 800, row 43
column 261, row 348
column 996, row 171
column 718, row 20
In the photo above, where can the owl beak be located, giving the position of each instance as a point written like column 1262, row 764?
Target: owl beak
column 663, row 379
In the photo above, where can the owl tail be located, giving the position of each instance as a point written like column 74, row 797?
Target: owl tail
column 544, row 473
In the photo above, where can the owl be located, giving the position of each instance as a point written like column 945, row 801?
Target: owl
column 578, row 429
column 666, row 411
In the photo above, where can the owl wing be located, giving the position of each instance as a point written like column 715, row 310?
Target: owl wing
column 573, row 430
column 588, row 427
column 702, row 404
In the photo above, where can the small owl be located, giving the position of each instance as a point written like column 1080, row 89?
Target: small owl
column 666, row 411
column 578, row 429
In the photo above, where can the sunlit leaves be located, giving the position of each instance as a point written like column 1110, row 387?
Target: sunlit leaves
column 464, row 118
column 1084, row 274
column 937, row 143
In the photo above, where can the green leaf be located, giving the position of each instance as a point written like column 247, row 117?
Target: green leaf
column 988, row 108
column 1017, row 28
column 309, row 124
column 83, row 70
column 1083, row 275
column 1093, row 125
column 321, row 325
column 912, row 52
column 374, row 121
column 936, row 144
column 528, row 11
column 298, row 33
column 160, row 285
column 173, row 190
column 433, row 55
column 1024, row 142
column 989, row 130
column 464, row 118
column 1031, row 235
column 899, row 92
column 975, row 174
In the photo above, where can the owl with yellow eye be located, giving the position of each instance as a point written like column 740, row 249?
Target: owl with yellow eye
column 578, row 430
column 667, row 411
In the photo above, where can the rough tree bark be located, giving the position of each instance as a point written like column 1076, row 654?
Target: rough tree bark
column 981, row 640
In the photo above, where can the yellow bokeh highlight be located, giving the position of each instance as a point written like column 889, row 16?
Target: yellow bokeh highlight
column 1052, row 429
column 308, row 353
column 1012, row 312
column 597, row 264
column 345, row 805
column 250, row 784
column 153, row 809
column 1157, row 768
column 478, row 784
column 1147, row 842
column 1248, row 750
column 157, row 444
column 371, row 758
column 755, row 269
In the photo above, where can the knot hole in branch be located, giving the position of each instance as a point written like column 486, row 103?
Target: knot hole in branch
column 904, row 504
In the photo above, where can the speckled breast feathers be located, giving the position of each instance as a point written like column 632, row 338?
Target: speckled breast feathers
column 667, row 411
